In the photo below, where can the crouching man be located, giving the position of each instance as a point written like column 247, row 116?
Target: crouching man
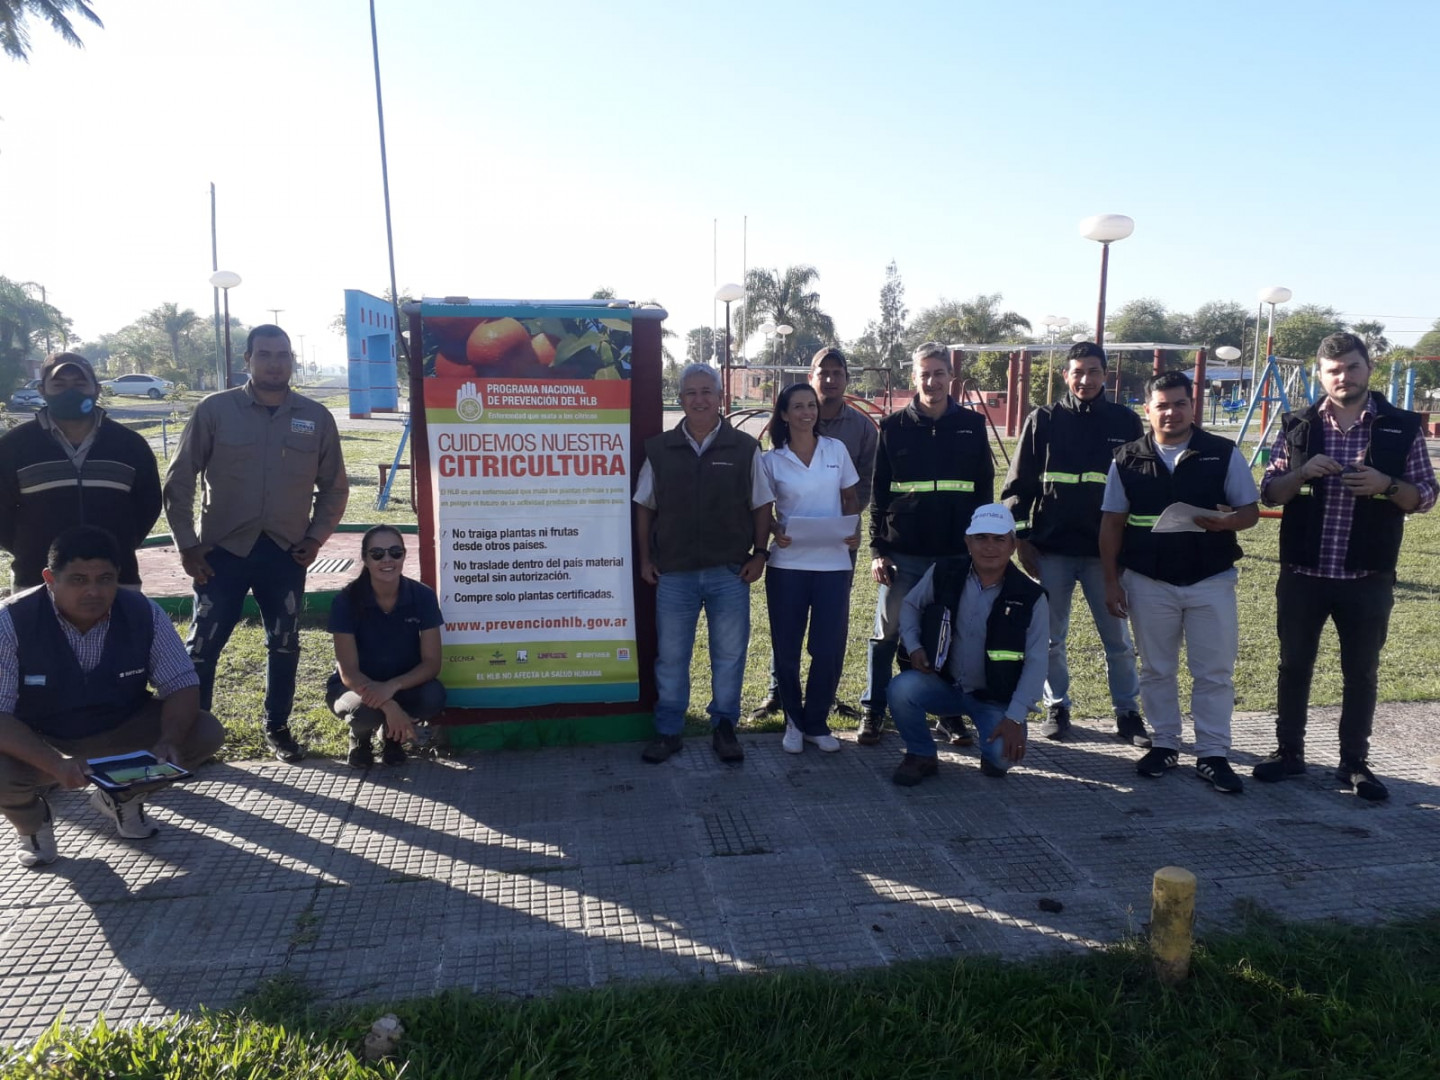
column 77, row 656
column 978, row 635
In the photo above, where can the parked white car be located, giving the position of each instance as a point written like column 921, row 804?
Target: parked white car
column 27, row 397
column 151, row 386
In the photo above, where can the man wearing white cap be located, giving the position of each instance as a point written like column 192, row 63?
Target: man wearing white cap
column 978, row 634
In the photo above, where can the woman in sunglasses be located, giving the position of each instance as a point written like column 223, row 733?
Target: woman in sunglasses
column 387, row 652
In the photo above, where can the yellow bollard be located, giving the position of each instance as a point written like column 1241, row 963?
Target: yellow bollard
column 1172, row 922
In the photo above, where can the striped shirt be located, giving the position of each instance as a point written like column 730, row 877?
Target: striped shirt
column 171, row 668
column 1349, row 447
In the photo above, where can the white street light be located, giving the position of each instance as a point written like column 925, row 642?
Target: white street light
column 1105, row 229
column 728, row 294
column 1227, row 353
column 784, row 330
column 1054, row 323
column 225, row 280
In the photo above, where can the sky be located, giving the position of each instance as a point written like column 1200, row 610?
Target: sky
column 544, row 150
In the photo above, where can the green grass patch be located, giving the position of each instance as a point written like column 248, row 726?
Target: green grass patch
column 1273, row 1000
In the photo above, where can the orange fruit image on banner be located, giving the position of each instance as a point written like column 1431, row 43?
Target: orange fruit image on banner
column 544, row 349
column 499, row 341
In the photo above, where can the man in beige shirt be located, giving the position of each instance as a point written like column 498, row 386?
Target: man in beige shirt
column 275, row 489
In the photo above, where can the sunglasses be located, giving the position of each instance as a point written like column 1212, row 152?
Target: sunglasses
column 378, row 553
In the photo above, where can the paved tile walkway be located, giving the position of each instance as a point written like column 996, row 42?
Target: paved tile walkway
column 518, row 872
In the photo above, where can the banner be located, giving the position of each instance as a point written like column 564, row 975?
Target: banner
column 528, row 417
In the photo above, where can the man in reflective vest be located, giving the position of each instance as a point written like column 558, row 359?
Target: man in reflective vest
column 1054, row 486
column 932, row 469
column 1179, row 573
column 977, row 631
column 1347, row 470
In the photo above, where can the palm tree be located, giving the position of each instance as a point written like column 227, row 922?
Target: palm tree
column 15, row 38
column 172, row 322
column 1373, row 334
column 977, row 321
column 788, row 299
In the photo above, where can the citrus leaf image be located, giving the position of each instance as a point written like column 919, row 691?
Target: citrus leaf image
column 568, row 348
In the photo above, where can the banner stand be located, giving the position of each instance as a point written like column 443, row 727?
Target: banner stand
column 529, row 420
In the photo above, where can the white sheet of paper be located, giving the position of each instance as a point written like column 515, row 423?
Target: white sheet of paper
column 1180, row 517
column 807, row 533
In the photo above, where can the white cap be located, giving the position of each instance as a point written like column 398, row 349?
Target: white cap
column 992, row 518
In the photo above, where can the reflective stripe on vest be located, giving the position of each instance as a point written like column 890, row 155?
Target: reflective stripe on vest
column 1143, row 521
column 1003, row 654
column 922, row 487
column 1093, row 478
column 1072, row 478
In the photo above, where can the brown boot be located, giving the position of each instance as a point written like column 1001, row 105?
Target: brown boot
column 914, row 768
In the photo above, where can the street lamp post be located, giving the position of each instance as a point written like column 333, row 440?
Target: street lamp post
column 1105, row 229
column 1053, row 323
column 784, row 330
column 727, row 295
column 1272, row 295
column 225, row 280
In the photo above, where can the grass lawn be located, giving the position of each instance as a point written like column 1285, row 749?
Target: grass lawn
column 1321, row 1002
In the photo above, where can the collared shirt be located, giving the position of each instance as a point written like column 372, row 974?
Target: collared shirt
column 387, row 643
column 810, row 491
column 76, row 454
column 760, row 490
column 853, row 428
column 277, row 472
column 966, row 663
column 171, row 668
column 1349, row 447
column 1240, row 487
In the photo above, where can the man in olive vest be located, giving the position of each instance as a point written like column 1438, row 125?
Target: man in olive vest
column 702, row 515
column 1347, row 470
column 977, row 631
column 1179, row 584
column 77, row 656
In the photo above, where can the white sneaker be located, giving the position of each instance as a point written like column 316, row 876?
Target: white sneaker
column 129, row 816
column 39, row 849
column 794, row 741
column 827, row 743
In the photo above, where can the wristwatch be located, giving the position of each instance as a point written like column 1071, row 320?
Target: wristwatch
column 1393, row 489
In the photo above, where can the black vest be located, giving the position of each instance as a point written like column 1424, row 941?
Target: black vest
column 1005, row 630
column 1377, row 524
column 1198, row 479
column 702, row 501
column 1081, row 439
column 56, row 697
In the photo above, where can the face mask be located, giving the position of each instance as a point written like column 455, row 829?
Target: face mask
column 73, row 404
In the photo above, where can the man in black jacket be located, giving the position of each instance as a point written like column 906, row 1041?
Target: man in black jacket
column 1347, row 470
column 73, row 465
column 932, row 469
column 1179, row 583
column 1054, row 487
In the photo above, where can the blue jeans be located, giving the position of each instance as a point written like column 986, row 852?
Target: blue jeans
column 821, row 598
column 1058, row 574
column 909, row 569
column 913, row 694
column 278, row 583
column 679, row 598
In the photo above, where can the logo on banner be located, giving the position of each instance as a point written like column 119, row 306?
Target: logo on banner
column 468, row 405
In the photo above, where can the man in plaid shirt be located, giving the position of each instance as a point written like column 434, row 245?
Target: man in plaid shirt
column 1347, row 470
column 77, row 657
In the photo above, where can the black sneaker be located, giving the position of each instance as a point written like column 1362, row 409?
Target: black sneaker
column 1278, row 766
column 1218, row 771
column 727, row 747
column 1362, row 781
column 362, row 752
column 871, row 725
column 952, row 729
column 661, row 748
column 769, row 707
column 1130, row 728
column 846, row 710
column 1156, row 761
column 988, row 769
column 1056, row 724
column 284, row 745
column 392, row 751
column 914, row 768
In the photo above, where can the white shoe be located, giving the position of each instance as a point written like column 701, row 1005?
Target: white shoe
column 827, row 743
column 794, row 741
column 39, row 849
column 129, row 816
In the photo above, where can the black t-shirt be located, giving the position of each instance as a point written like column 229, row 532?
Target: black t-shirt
column 388, row 643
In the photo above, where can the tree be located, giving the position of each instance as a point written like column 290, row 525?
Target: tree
column 15, row 36
column 889, row 332
column 1141, row 320
column 1429, row 343
column 977, row 321
column 1299, row 333
column 699, row 345
column 605, row 292
column 1373, row 334
column 173, row 323
column 24, row 323
column 1219, row 322
column 788, row 299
